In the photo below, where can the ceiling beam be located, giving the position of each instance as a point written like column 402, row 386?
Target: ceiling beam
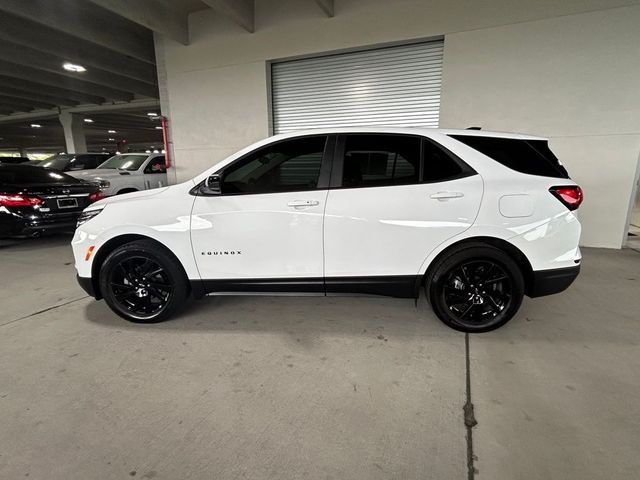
column 31, row 104
column 47, row 40
column 151, row 14
column 31, row 95
column 28, row 57
column 29, row 87
column 39, row 76
column 327, row 7
column 240, row 11
column 134, row 105
column 88, row 22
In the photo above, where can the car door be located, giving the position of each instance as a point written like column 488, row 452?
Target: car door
column 393, row 199
column 155, row 173
column 264, row 232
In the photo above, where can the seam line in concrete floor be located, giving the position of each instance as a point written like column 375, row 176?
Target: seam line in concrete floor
column 44, row 310
column 469, row 416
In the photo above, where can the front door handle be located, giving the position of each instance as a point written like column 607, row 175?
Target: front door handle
column 303, row 203
column 446, row 195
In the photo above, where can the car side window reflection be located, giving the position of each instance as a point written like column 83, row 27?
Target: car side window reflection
column 288, row 166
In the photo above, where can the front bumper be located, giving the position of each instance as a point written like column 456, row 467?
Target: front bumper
column 548, row 282
column 87, row 286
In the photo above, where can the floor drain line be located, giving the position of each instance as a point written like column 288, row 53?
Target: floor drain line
column 469, row 416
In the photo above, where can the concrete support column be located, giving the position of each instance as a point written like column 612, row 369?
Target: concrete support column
column 73, row 126
column 23, row 152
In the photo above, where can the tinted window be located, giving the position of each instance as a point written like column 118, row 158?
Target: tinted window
column 439, row 165
column 156, row 165
column 125, row 162
column 284, row 167
column 379, row 160
column 25, row 175
column 57, row 162
column 532, row 157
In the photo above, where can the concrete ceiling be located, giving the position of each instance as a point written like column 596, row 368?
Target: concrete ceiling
column 112, row 39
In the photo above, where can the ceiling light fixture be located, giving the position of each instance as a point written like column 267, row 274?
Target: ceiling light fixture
column 72, row 67
column 111, row 131
column 112, row 139
column 36, row 125
column 158, row 128
column 88, row 120
column 152, row 114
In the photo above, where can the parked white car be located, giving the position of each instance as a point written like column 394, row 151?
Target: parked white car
column 126, row 173
column 477, row 218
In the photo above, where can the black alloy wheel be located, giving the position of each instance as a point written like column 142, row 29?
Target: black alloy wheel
column 143, row 282
column 140, row 286
column 476, row 289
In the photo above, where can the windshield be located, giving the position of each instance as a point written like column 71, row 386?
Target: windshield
column 57, row 162
column 125, row 162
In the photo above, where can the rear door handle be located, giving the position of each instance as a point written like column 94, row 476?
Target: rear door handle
column 303, row 203
column 446, row 195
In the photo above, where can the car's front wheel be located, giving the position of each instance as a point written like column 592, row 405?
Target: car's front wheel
column 142, row 282
column 476, row 288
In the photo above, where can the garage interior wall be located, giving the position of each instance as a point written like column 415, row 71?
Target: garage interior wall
column 567, row 70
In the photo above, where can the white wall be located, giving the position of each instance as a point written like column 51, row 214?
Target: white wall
column 521, row 66
column 575, row 79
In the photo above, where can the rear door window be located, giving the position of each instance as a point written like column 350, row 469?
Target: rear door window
column 533, row 157
column 380, row 160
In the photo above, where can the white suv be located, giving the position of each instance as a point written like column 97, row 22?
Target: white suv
column 477, row 218
column 126, row 173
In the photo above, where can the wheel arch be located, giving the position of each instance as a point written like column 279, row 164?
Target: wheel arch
column 514, row 252
column 113, row 243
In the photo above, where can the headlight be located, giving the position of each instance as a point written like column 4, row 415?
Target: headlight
column 87, row 215
column 104, row 183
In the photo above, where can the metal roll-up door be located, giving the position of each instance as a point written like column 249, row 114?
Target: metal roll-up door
column 395, row 86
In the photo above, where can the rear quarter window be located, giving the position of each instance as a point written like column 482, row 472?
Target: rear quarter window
column 533, row 157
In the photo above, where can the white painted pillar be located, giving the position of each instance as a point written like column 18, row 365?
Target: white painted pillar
column 73, row 127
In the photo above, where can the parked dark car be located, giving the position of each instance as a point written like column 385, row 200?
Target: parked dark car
column 14, row 160
column 68, row 162
column 36, row 200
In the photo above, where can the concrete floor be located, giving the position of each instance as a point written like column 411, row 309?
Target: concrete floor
column 320, row 388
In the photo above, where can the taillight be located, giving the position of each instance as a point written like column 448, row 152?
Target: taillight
column 94, row 197
column 570, row 196
column 18, row 200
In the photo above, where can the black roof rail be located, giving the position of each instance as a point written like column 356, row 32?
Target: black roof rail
column 473, row 128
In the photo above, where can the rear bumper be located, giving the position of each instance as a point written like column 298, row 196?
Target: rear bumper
column 87, row 286
column 548, row 282
column 22, row 226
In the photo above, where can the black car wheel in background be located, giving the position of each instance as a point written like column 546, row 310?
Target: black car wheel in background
column 36, row 200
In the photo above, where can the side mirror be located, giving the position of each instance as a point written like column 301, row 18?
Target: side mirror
column 212, row 185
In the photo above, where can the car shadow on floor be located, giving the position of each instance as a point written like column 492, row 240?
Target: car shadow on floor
column 299, row 317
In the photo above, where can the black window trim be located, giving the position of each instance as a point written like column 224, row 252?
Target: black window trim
column 323, row 177
column 338, row 161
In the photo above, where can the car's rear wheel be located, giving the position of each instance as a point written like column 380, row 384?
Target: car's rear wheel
column 142, row 282
column 475, row 288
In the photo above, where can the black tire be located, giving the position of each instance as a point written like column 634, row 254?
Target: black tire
column 475, row 288
column 143, row 282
